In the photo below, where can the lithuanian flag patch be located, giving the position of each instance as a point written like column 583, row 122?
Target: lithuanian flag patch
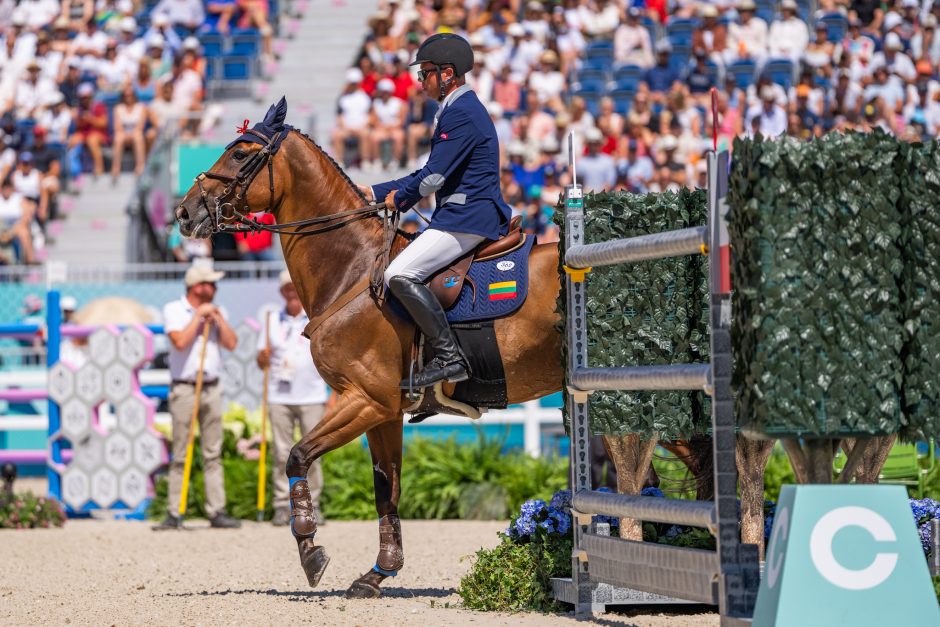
column 503, row 290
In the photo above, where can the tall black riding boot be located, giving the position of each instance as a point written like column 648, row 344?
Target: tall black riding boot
column 448, row 362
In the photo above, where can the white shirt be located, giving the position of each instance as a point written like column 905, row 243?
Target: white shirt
column 11, row 209
column 27, row 184
column 772, row 123
column 354, row 108
column 753, row 34
column 388, row 111
column 184, row 364
column 30, row 97
column 632, row 45
column 293, row 379
column 183, row 12
column 788, row 38
column 547, row 85
column 56, row 123
column 39, row 13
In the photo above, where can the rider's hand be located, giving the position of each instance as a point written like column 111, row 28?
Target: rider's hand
column 390, row 201
column 264, row 358
column 366, row 191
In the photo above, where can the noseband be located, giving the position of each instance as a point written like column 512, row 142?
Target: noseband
column 228, row 217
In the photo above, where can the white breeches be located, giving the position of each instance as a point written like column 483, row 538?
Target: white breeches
column 431, row 251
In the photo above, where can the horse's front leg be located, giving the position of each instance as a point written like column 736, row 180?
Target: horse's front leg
column 353, row 415
column 385, row 445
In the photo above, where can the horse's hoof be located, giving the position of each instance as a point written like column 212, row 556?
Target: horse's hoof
column 313, row 559
column 366, row 587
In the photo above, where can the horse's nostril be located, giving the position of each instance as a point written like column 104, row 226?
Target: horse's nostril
column 182, row 213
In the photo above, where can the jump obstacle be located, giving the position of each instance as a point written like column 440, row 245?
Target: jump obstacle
column 607, row 570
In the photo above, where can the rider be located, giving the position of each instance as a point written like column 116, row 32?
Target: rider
column 463, row 173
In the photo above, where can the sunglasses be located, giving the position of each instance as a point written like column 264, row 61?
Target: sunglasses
column 424, row 74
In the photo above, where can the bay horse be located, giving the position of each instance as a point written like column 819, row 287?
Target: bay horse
column 361, row 347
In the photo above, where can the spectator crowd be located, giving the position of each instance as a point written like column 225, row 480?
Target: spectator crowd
column 632, row 81
column 86, row 83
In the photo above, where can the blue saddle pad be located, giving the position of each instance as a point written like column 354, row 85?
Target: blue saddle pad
column 501, row 287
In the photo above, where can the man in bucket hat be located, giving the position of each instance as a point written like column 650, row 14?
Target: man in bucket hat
column 184, row 321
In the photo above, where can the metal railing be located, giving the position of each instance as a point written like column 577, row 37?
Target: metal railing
column 729, row 576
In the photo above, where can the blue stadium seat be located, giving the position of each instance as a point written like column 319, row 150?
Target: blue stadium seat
column 598, row 63
column 628, row 72
column 679, row 31
column 780, row 72
column 593, row 75
column 652, row 28
column 245, row 45
column 836, row 26
column 599, row 47
column 213, row 45
column 237, row 68
column 766, row 10
column 626, row 84
column 591, row 87
column 679, row 57
column 623, row 100
column 743, row 72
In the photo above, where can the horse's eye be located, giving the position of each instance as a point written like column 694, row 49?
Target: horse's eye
column 240, row 155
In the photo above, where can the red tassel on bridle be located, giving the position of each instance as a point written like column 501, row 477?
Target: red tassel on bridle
column 243, row 128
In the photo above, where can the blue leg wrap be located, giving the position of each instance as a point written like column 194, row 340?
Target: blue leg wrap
column 382, row 571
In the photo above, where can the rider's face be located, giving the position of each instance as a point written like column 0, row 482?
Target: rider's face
column 430, row 84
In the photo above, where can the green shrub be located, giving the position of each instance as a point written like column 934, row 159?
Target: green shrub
column 440, row 479
column 516, row 575
column 777, row 473
column 28, row 511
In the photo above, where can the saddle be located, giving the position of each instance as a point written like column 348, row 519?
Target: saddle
column 447, row 283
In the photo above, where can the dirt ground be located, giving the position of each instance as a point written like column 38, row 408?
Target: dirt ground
column 121, row 573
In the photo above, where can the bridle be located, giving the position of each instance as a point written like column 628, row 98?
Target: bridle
column 229, row 219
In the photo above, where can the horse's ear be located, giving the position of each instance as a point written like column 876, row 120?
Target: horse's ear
column 275, row 116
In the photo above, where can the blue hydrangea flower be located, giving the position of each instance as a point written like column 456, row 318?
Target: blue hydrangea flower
column 561, row 500
column 651, row 491
column 674, row 531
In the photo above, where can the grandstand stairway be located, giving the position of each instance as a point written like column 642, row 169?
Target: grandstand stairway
column 93, row 225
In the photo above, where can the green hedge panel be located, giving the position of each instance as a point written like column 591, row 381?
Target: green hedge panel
column 648, row 313
column 919, row 169
column 816, row 231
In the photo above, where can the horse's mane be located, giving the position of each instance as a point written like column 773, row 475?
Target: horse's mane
column 342, row 172
column 336, row 166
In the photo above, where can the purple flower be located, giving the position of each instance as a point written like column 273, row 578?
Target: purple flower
column 652, row 491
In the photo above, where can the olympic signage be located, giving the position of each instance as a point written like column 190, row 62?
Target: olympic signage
column 845, row 555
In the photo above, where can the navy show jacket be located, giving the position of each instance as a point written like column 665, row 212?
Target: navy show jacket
column 462, row 171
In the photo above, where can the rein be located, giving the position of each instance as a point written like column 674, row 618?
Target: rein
column 230, row 220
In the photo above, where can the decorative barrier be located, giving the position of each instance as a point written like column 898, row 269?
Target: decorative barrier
column 88, row 466
column 727, row 577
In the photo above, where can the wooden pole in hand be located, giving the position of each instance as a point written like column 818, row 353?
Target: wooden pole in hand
column 190, row 442
column 263, row 460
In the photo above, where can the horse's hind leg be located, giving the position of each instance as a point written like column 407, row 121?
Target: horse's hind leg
column 354, row 414
column 385, row 446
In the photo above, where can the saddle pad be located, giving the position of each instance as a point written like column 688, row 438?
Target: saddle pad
column 501, row 287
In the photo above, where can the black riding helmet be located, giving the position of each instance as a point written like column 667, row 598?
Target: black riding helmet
column 446, row 49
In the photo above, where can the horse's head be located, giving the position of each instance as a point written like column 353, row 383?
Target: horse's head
column 245, row 179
